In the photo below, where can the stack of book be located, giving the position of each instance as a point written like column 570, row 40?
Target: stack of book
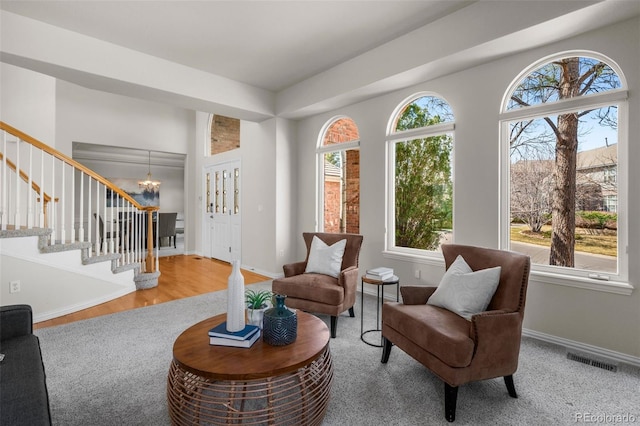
column 379, row 274
column 219, row 336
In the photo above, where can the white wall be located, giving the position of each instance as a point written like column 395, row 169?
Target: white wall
column 27, row 102
column 56, row 284
column 259, row 166
column 590, row 317
column 285, row 187
column 90, row 116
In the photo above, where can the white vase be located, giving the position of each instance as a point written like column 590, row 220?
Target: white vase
column 235, row 299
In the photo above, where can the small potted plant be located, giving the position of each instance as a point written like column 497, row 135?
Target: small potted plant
column 257, row 302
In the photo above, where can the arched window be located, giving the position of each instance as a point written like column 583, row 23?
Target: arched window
column 339, row 166
column 420, row 145
column 564, row 161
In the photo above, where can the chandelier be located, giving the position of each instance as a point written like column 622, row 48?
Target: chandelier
column 149, row 184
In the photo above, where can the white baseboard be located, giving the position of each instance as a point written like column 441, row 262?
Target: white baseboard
column 584, row 347
column 271, row 275
column 261, row 272
column 84, row 305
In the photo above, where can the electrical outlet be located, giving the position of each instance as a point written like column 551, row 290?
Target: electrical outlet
column 281, row 253
column 417, row 273
column 14, row 286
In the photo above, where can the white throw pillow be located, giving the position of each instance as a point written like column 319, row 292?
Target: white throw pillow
column 464, row 291
column 324, row 259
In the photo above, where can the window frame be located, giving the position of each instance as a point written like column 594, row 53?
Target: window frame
column 391, row 251
column 550, row 274
column 321, row 150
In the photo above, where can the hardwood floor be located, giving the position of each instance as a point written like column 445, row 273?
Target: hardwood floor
column 181, row 276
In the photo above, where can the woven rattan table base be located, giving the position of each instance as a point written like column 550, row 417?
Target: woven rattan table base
column 298, row 398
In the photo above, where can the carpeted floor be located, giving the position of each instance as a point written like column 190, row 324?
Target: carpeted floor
column 112, row 370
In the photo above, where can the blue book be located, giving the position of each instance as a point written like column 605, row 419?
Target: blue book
column 244, row 334
column 220, row 341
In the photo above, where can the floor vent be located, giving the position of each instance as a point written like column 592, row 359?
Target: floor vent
column 594, row 362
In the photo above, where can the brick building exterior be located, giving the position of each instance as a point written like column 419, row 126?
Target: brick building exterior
column 225, row 134
column 336, row 196
column 332, row 197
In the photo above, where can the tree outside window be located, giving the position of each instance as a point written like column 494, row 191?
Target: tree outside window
column 563, row 163
column 422, row 181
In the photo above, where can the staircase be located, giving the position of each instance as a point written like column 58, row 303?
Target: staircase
column 66, row 221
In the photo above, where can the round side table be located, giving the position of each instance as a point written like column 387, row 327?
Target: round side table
column 379, row 300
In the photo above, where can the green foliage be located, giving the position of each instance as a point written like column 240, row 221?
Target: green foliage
column 423, row 188
column 257, row 299
column 334, row 158
column 595, row 219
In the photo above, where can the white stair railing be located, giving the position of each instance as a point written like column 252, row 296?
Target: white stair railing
column 42, row 188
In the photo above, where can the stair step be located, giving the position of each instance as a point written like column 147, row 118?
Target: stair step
column 59, row 247
column 17, row 233
column 109, row 257
column 142, row 280
column 128, row 267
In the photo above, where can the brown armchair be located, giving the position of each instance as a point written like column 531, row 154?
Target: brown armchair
column 455, row 349
column 313, row 292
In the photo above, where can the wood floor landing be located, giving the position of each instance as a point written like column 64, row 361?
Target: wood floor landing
column 181, row 276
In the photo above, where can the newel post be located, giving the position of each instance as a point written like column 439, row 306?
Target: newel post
column 150, row 262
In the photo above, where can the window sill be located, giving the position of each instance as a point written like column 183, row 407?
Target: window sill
column 434, row 260
column 615, row 287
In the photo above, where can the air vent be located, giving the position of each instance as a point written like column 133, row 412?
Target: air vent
column 591, row 361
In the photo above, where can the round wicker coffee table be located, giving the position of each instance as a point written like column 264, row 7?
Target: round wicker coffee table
column 263, row 384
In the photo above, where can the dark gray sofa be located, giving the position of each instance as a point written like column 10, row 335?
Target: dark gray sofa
column 23, row 388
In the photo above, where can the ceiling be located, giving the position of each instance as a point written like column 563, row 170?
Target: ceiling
column 267, row 44
column 256, row 59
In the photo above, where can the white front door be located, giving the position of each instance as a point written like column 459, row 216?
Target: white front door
column 223, row 211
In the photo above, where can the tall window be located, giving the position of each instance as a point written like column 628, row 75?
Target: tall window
column 339, row 165
column 561, row 123
column 420, row 144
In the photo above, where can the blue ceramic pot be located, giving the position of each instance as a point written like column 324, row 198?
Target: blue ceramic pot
column 280, row 324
